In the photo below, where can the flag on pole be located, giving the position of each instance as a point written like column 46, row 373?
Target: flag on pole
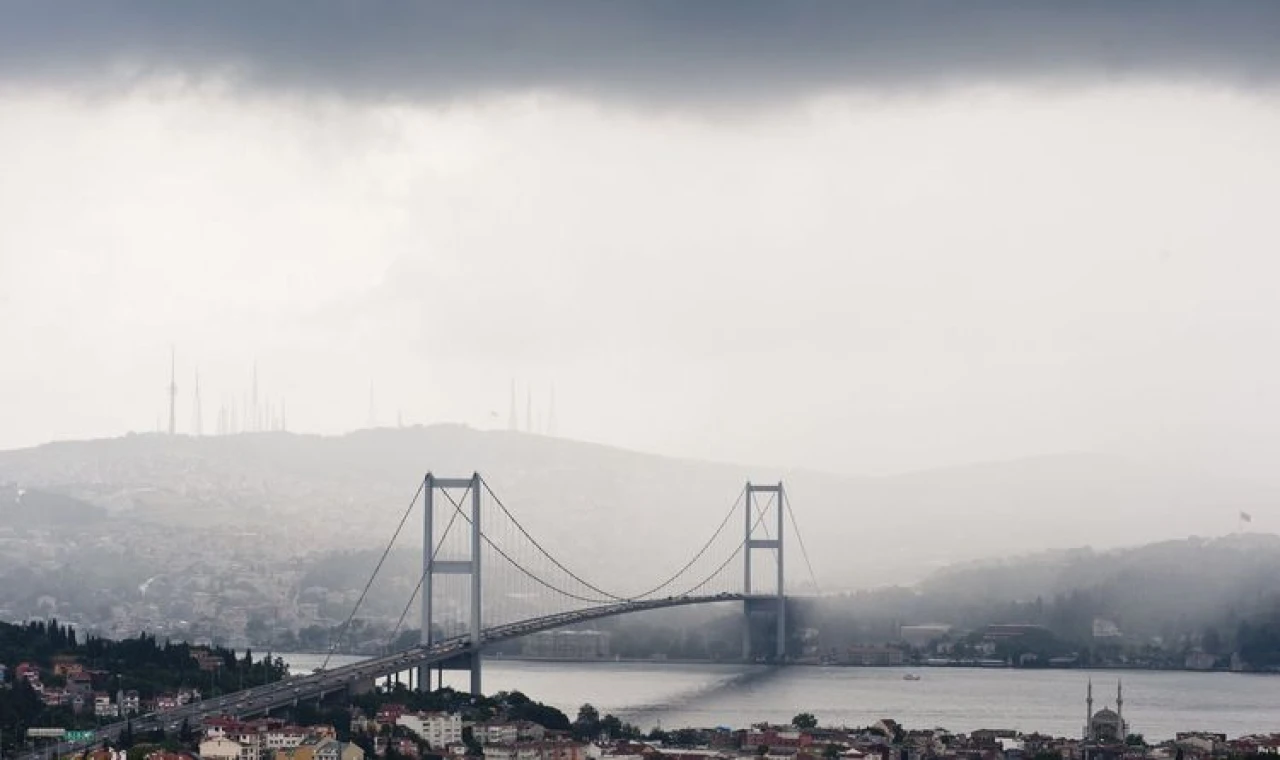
column 1246, row 517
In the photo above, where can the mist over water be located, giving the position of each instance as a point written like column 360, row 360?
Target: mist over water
column 1157, row 704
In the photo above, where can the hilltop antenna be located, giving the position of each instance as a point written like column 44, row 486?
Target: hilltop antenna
column 257, row 419
column 173, row 389
column 197, row 415
column 528, row 408
column 373, row 416
column 284, row 420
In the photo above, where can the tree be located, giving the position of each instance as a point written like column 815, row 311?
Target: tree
column 587, row 725
column 762, row 750
column 804, row 720
column 469, row 738
column 185, row 734
column 830, row 752
column 611, row 726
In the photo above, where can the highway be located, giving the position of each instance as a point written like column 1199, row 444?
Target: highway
column 288, row 692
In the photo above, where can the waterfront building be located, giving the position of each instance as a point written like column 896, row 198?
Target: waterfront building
column 872, row 655
column 567, row 645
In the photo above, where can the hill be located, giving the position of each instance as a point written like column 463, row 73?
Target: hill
column 348, row 491
column 233, row 530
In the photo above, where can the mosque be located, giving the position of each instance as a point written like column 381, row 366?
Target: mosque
column 1105, row 726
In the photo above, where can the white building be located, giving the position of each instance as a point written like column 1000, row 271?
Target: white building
column 220, row 748
column 287, row 737
column 438, row 729
column 103, row 707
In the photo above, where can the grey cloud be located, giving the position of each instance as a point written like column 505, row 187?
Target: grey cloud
column 664, row 50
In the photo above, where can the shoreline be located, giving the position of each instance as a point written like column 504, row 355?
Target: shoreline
column 904, row 667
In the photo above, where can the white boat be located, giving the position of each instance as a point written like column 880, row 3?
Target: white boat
column 910, row 677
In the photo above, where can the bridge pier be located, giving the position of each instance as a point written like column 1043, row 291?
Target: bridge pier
column 431, row 567
column 775, row 603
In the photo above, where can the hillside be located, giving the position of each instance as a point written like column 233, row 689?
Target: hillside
column 348, row 491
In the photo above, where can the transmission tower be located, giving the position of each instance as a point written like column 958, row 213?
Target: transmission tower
column 173, row 390
column 197, row 413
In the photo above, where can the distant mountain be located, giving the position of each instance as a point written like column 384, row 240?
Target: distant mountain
column 1147, row 590
column 601, row 508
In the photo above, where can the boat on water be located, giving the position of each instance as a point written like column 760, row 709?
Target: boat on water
column 910, row 677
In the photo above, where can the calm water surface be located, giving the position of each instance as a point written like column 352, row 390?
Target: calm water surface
column 1157, row 703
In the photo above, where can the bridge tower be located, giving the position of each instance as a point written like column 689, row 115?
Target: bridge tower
column 776, row 604
column 432, row 567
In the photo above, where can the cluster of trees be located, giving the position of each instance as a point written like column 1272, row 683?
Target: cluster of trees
column 36, row 641
column 1167, row 598
column 590, row 725
column 1258, row 640
column 141, row 664
column 511, row 705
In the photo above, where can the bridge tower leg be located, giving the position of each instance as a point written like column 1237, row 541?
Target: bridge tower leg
column 431, row 567
column 776, row 603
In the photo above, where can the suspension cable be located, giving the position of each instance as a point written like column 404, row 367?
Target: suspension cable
column 525, row 570
column 422, row 577
column 703, row 550
column 544, row 552
column 725, row 564
column 795, row 527
column 347, row 625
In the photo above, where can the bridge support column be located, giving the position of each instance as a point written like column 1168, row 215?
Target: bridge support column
column 754, row 519
column 432, row 566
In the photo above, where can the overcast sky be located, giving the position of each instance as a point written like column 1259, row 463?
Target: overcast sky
column 851, row 236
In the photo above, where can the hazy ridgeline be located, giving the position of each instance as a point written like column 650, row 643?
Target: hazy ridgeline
column 137, row 528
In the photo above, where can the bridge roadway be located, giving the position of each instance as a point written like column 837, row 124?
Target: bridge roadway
column 314, row 686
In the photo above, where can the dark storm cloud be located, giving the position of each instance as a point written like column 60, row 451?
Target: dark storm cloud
column 663, row 49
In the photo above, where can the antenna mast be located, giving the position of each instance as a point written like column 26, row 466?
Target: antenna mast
column 173, row 389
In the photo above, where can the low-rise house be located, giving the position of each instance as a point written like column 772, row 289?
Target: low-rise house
column 496, row 732
column 80, row 683
column 220, row 748
column 54, row 697
column 284, row 737
column 322, row 749
column 166, row 702
column 66, row 666
column 26, row 671
column 103, row 707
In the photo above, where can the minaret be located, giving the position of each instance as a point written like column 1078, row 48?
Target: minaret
column 1088, row 712
column 1124, row 730
column 197, row 414
column 173, row 390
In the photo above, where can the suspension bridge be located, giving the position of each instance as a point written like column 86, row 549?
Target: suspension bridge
column 486, row 579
